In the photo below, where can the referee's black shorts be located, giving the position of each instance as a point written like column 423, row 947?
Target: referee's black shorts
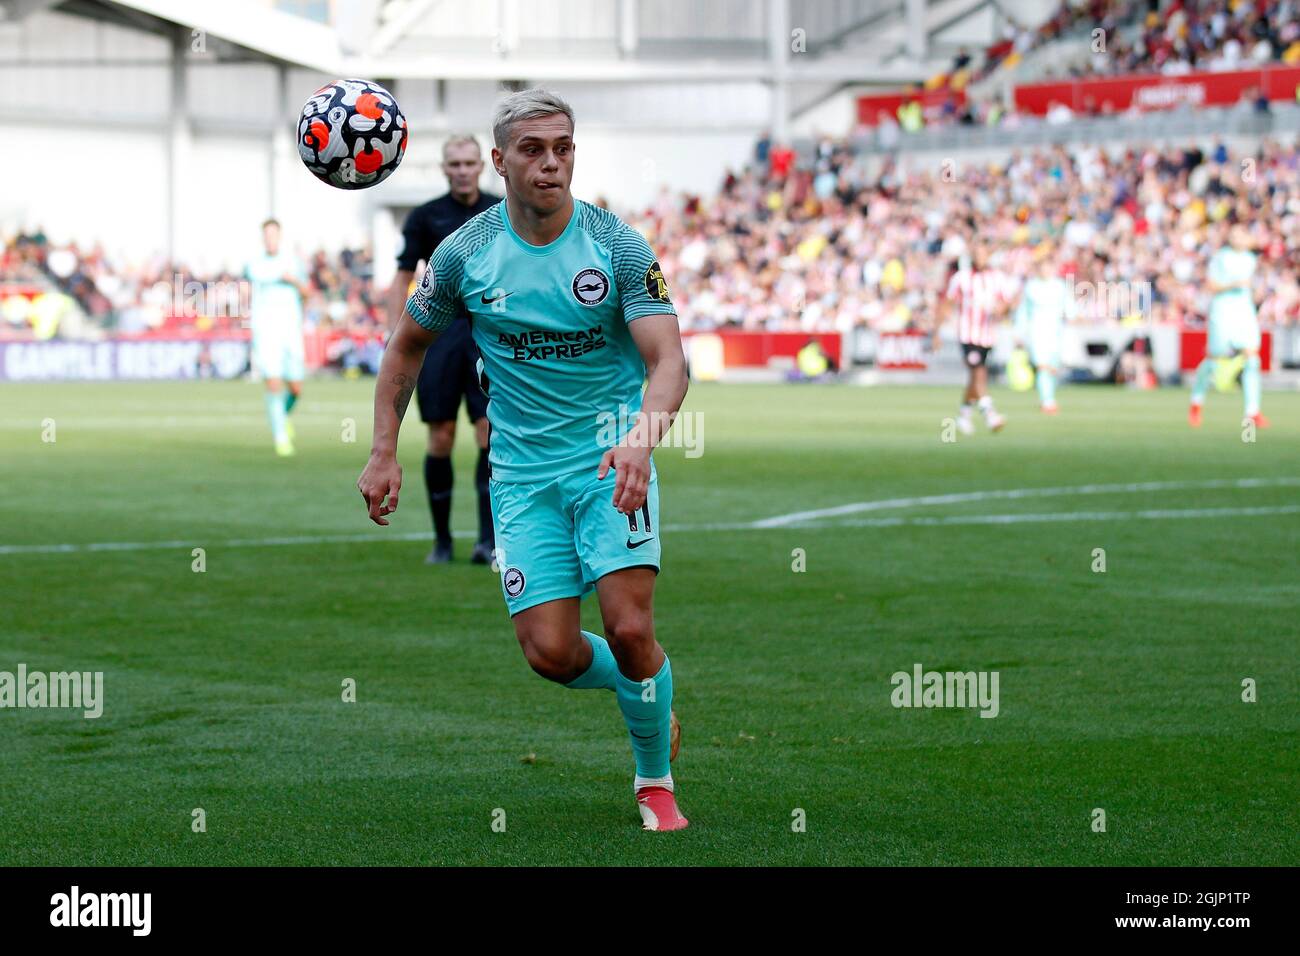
column 448, row 375
column 975, row 355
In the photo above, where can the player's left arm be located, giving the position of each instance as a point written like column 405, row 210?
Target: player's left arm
column 1020, row 322
column 1071, row 305
column 1008, row 290
column 659, row 341
column 297, row 279
column 650, row 317
column 1219, row 280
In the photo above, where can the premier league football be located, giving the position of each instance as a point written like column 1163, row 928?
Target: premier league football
column 855, row 444
column 351, row 134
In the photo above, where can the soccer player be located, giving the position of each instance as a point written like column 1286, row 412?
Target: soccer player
column 278, row 283
column 1234, row 325
column 448, row 373
column 981, row 295
column 1045, row 307
column 571, row 314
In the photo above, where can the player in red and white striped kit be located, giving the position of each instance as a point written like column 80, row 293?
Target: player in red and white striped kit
column 981, row 296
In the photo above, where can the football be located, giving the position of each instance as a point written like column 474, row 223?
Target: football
column 351, row 134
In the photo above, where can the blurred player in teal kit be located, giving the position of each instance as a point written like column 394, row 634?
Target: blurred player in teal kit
column 1234, row 325
column 1045, row 307
column 571, row 315
column 278, row 285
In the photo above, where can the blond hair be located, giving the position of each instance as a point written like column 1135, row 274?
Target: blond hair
column 524, row 105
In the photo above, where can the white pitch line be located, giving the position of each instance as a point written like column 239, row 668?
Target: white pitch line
column 9, row 549
column 924, row 521
column 1152, row 514
column 800, row 520
column 800, row 517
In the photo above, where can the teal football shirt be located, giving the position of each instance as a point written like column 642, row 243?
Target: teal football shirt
column 551, row 323
column 276, row 306
column 1229, row 266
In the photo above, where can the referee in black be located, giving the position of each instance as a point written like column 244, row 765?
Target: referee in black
column 448, row 374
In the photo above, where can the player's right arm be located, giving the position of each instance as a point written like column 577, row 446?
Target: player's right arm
column 431, row 308
column 1217, row 278
column 381, row 479
column 415, row 241
column 396, row 301
column 1020, row 320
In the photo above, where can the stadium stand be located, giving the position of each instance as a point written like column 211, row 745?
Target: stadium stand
column 828, row 245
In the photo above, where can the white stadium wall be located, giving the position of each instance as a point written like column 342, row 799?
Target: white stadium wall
column 1029, row 12
column 116, row 119
column 834, row 116
column 121, row 204
column 224, row 194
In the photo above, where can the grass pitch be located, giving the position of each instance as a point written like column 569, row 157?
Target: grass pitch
column 1119, row 690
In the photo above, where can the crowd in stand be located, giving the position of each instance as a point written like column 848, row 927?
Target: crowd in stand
column 1148, row 36
column 844, row 240
column 1198, row 35
column 1122, row 37
column 830, row 245
column 106, row 294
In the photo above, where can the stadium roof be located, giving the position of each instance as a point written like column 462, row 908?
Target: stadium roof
column 256, row 27
column 862, row 41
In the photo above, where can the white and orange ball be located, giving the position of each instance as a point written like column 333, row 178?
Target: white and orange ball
column 351, row 134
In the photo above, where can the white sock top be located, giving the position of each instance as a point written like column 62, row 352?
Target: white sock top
column 665, row 782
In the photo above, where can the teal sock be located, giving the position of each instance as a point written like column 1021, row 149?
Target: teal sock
column 1201, row 384
column 290, row 400
column 1046, row 387
column 648, row 721
column 1250, row 385
column 603, row 666
column 275, row 413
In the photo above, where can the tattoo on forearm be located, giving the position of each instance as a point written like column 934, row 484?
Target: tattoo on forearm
column 405, row 386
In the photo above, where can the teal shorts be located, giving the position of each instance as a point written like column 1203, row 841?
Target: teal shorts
column 1230, row 335
column 279, row 355
column 557, row 538
column 1045, row 354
